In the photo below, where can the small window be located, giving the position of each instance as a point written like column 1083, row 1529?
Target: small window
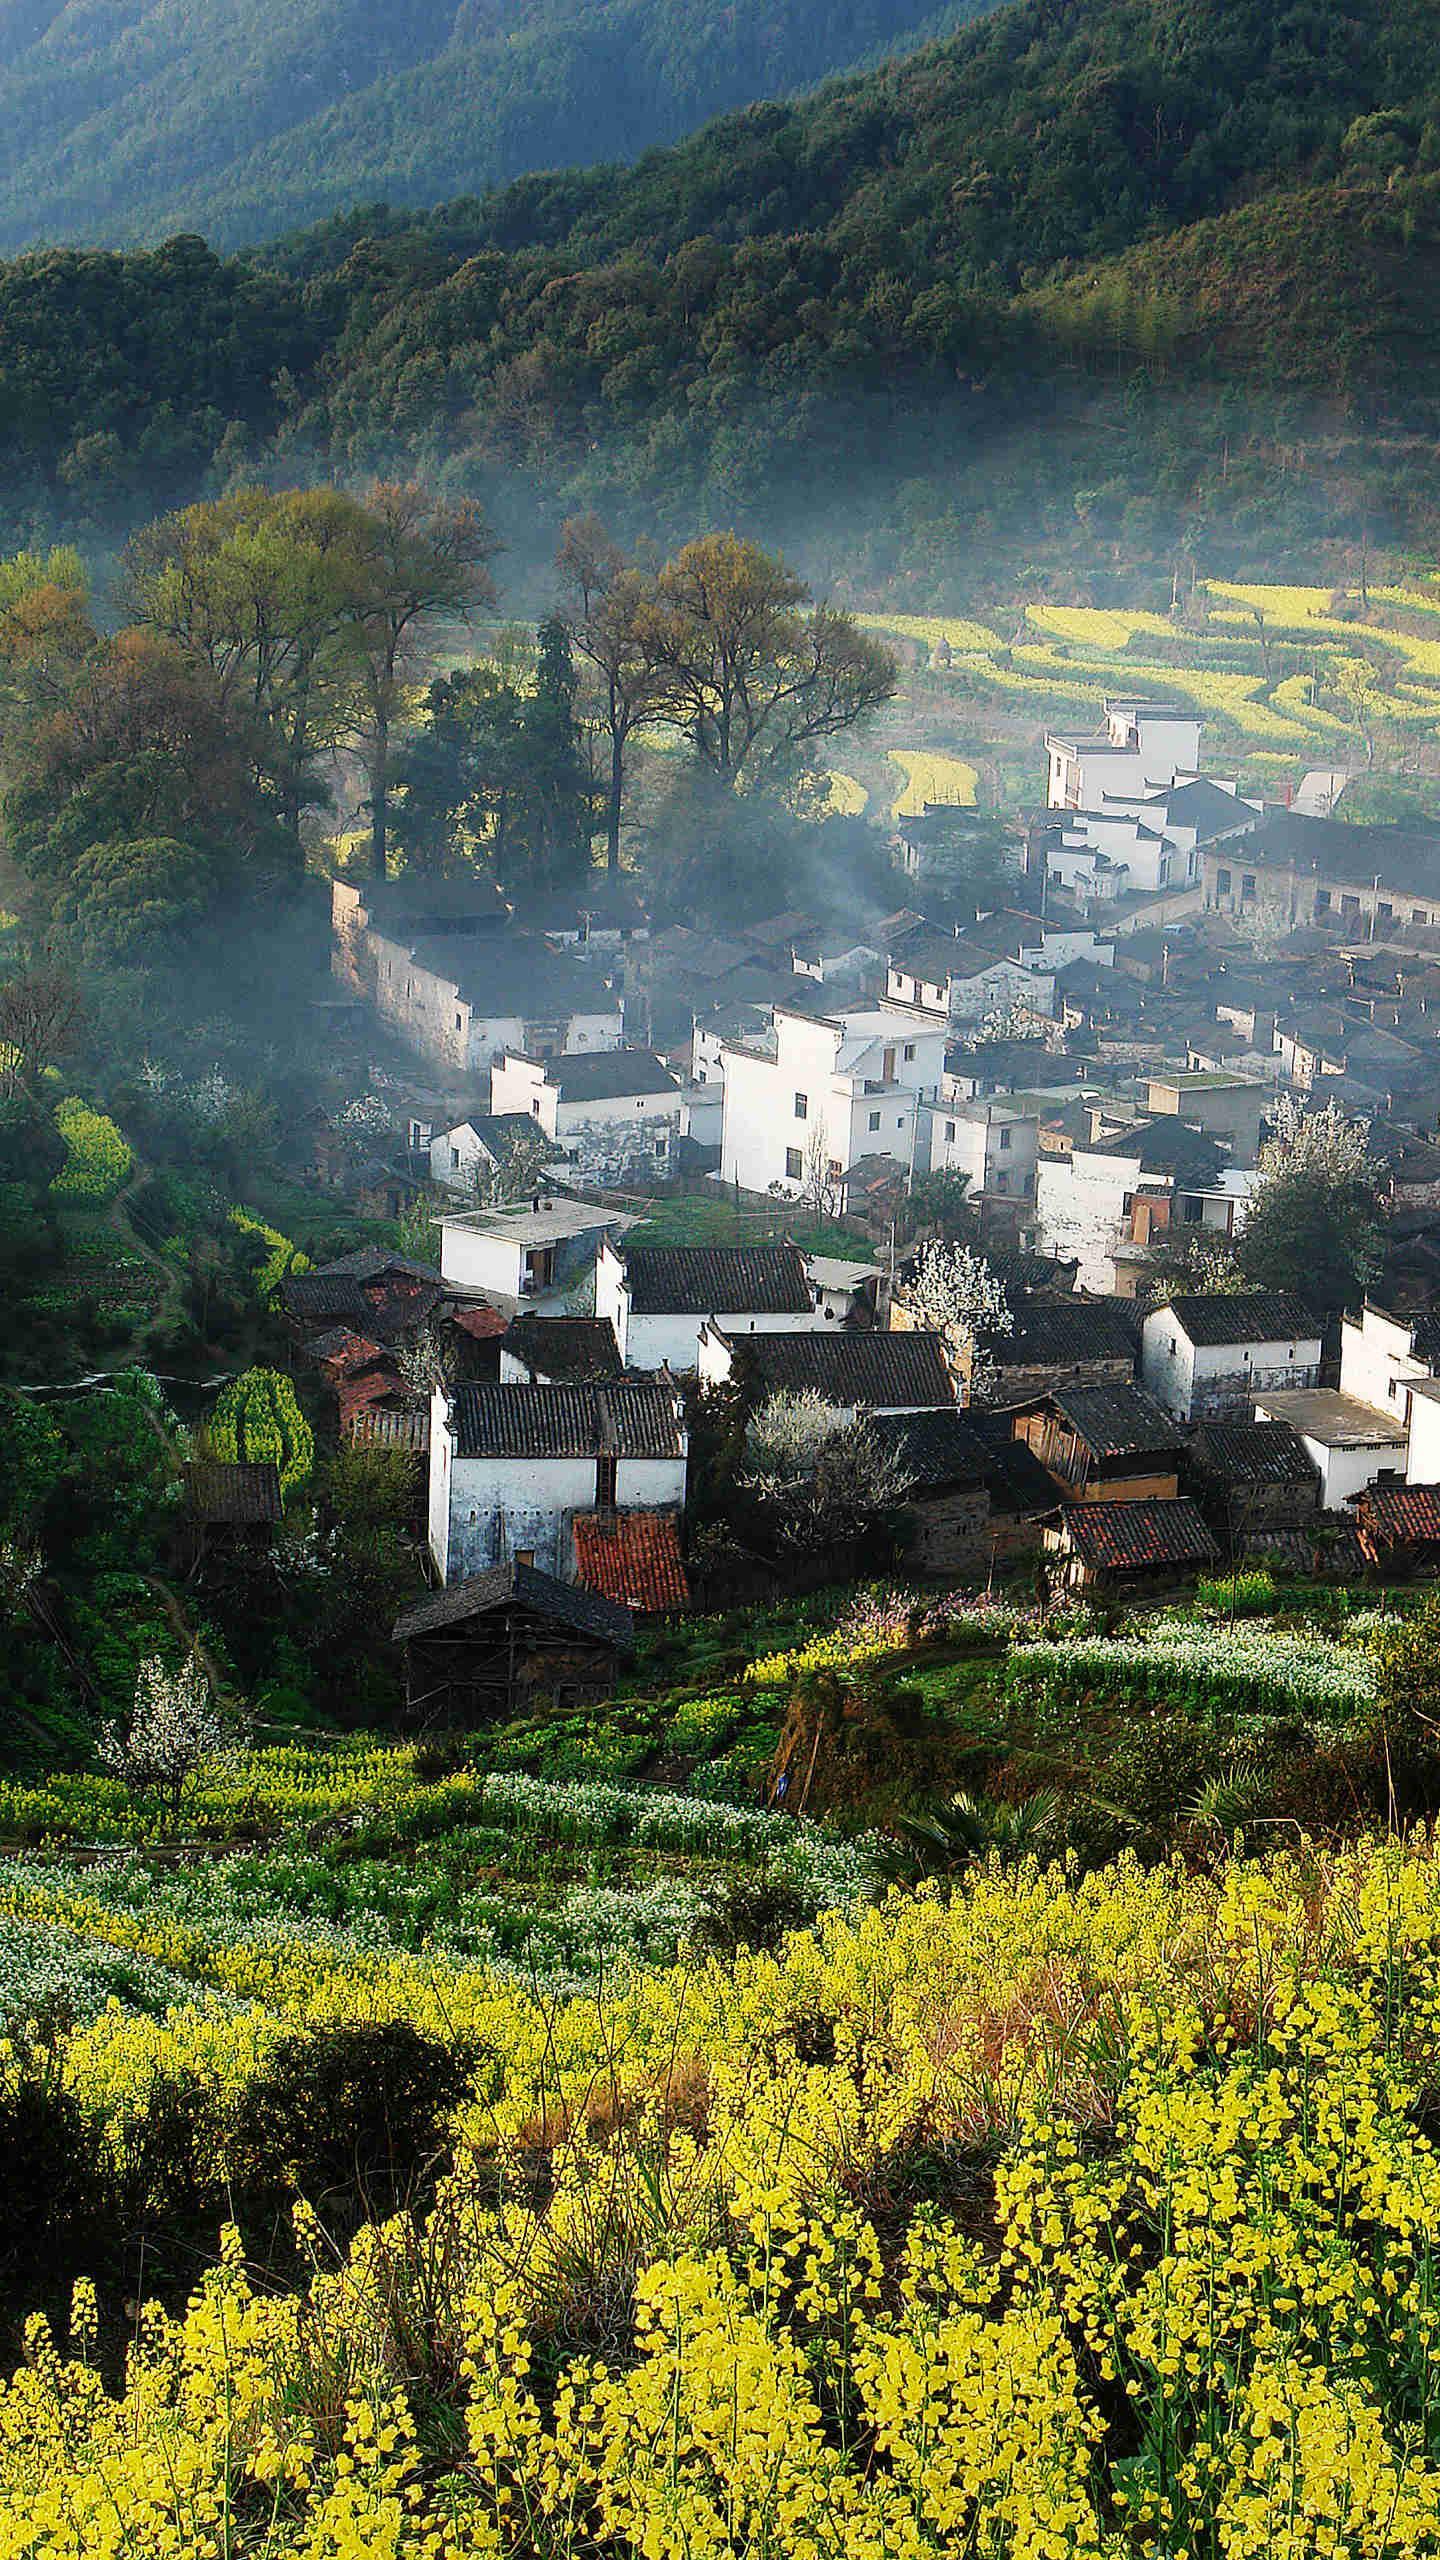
column 909, row 1048
column 1247, row 884
column 802, row 1106
column 535, row 1106
column 874, row 1119
column 834, row 1171
column 454, row 1157
column 949, row 1133
column 459, row 1022
column 1322, row 902
column 525, row 1555
column 899, row 1119
column 794, row 1164
column 1419, row 916
column 1004, row 1141
column 1222, row 883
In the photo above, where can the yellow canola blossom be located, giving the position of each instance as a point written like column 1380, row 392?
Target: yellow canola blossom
column 926, row 776
column 1056, row 2217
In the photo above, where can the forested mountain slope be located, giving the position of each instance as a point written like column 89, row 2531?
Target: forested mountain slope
column 128, row 119
column 1038, row 230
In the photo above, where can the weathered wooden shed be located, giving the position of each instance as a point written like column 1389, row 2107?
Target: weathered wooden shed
column 1125, row 1546
column 491, row 1646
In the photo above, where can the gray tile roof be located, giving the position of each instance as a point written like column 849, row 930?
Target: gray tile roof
column 604, row 1075
column 717, row 1280
column 878, row 1369
column 629, row 1420
column 1214, row 1317
column 564, row 1603
column 1116, row 1422
column 1252, row 1453
column 1065, row 1332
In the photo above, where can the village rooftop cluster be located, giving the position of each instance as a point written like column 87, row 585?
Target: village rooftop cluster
column 1100, row 1059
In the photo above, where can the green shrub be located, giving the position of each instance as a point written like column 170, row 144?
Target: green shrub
column 702, row 1725
column 352, row 2108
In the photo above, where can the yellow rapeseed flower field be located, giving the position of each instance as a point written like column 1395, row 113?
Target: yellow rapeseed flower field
column 1060, row 2216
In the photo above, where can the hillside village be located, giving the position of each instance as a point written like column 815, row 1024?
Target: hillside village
column 1090, row 1071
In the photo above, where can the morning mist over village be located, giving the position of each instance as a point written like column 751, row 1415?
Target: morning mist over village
column 720, row 1265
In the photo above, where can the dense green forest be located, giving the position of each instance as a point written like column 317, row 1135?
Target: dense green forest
column 124, row 122
column 1166, row 271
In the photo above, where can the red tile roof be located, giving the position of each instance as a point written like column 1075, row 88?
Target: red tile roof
column 632, row 1557
column 481, row 1323
column 1390, row 1515
column 1122, row 1536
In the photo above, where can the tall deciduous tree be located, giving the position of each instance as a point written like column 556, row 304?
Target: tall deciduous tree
column 422, row 560
column 607, row 602
column 749, row 675
column 270, row 588
column 1312, row 1225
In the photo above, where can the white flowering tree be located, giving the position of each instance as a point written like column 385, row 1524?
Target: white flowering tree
column 175, row 1728
column 1312, row 1224
column 820, row 1477
column 953, row 1288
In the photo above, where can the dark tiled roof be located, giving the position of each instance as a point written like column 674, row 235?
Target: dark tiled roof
column 1253, row 1453
column 1123, row 1536
column 1015, row 1480
column 628, row 1421
column 328, row 1298
column 632, row 1557
column 374, row 1262
column 1397, row 1514
column 1060, row 1333
column 1166, row 1146
column 935, row 1449
column 566, row 1348
column 611, row 1074
column 1405, row 859
column 717, row 1280
column 848, row 1368
column 1116, row 1422
column 1213, row 1317
column 564, row 1603
column 232, row 1494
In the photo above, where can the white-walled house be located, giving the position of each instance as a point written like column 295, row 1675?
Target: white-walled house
column 967, row 980
column 1084, row 1199
column 1379, row 1361
column 462, row 1001
column 1422, row 1456
column 1144, row 747
column 512, row 1467
column 993, row 1140
column 521, row 1255
column 475, row 1142
column 658, row 1298
column 1349, row 1444
column 831, row 1090
column 609, row 1111
column 1206, row 1355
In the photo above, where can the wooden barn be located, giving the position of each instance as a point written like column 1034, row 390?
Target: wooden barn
column 492, row 1646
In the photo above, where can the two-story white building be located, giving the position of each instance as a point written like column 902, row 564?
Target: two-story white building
column 1145, row 746
column 1207, row 1355
column 1362, row 1431
column 612, row 1112
column 826, row 1091
column 994, row 1141
column 1084, row 1199
column 658, row 1298
column 967, row 979
column 513, row 1467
